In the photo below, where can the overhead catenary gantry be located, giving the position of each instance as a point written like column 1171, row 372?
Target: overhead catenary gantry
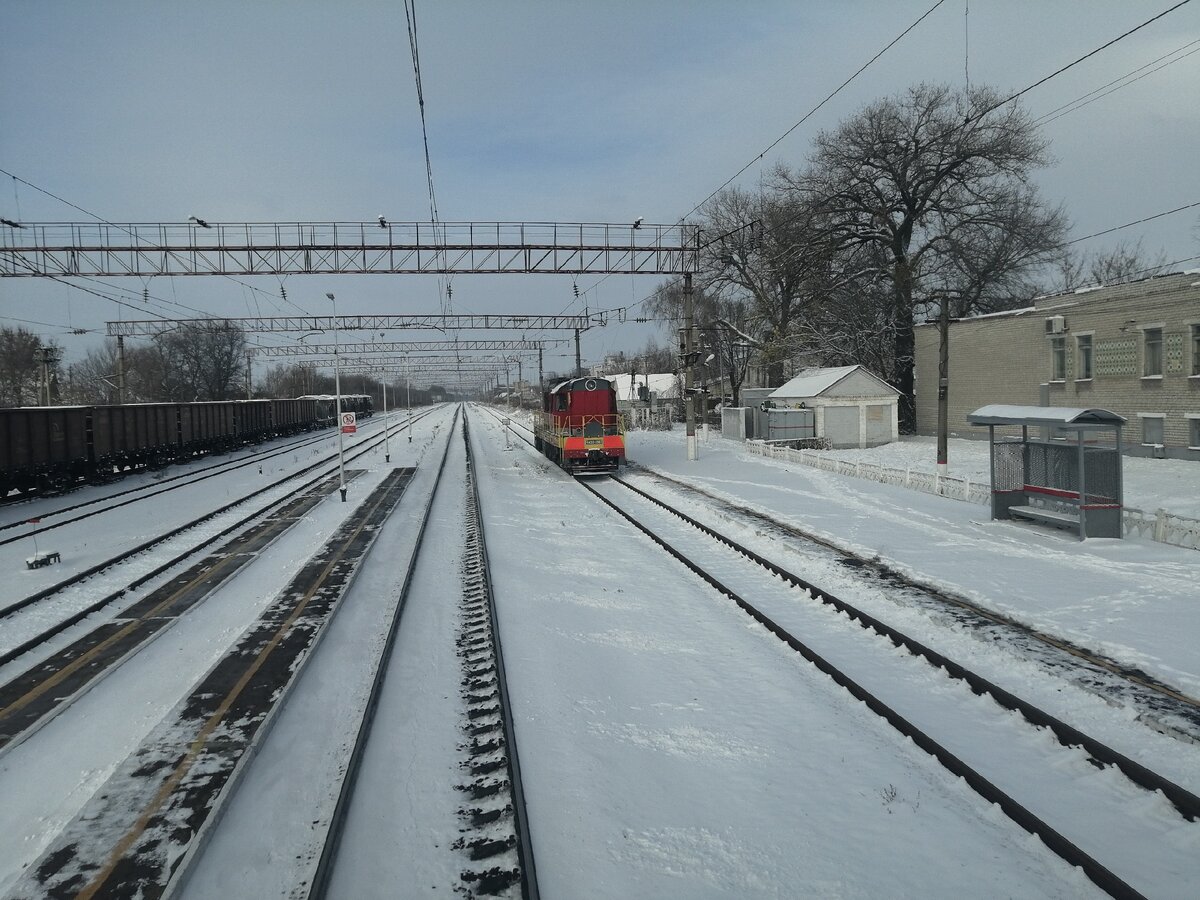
column 66, row 249
column 414, row 347
column 153, row 327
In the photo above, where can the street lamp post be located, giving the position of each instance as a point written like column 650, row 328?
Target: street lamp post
column 337, row 388
column 387, row 454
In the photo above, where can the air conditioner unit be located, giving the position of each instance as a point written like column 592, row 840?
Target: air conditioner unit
column 1056, row 324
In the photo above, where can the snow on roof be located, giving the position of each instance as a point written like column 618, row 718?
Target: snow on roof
column 814, row 382
column 1003, row 414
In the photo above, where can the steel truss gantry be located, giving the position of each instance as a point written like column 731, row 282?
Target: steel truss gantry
column 152, row 327
column 346, row 248
column 420, row 349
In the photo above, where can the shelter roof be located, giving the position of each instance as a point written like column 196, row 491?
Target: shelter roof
column 1061, row 416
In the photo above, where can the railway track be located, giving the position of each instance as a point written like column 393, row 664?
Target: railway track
column 138, row 834
column 1117, row 851
column 788, row 607
column 1160, row 706
column 494, row 842
column 57, row 588
column 256, row 457
column 141, row 833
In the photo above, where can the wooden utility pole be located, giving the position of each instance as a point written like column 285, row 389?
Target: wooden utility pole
column 943, row 391
column 689, row 357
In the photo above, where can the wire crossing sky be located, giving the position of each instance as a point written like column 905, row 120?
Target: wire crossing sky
column 538, row 111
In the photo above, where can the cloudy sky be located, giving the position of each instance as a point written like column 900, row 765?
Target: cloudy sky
column 257, row 111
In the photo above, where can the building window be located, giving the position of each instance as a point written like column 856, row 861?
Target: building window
column 1083, row 344
column 1152, row 429
column 1196, row 349
column 1152, row 358
column 1058, row 359
column 1194, row 433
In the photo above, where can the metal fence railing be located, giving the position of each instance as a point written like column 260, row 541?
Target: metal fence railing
column 1161, row 526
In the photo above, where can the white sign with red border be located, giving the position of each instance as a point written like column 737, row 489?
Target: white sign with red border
column 349, row 423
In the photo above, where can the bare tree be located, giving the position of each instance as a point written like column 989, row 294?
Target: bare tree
column 725, row 332
column 21, row 366
column 203, row 361
column 1117, row 265
column 923, row 177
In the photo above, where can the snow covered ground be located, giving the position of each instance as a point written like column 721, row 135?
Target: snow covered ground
column 1149, row 484
column 1133, row 599
column 670, row 747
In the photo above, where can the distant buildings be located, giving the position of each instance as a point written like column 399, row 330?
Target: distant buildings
column 1133, row 349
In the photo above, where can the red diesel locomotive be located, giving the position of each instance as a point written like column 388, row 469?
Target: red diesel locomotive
column 579, row 426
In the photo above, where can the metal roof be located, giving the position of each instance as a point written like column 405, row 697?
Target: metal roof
column 1061, row 416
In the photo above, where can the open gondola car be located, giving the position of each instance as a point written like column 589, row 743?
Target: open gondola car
column 579, row 426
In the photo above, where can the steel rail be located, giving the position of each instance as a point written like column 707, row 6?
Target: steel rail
column 227, row 465
column 528, row 873
column 319, row 887
column 1187, row 803
column 1134, row 676
column 121, row 557
column 1051, row 837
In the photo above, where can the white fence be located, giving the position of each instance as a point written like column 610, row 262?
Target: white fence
column 1162, row 526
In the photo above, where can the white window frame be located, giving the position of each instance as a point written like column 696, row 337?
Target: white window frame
column 1058, row 376
column 1193, row 425
column 1161, row 328
column 1091, row 336
column 1194, row 344
column 1161, row 418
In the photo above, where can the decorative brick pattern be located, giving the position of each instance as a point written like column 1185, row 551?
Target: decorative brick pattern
column 1007, row 358
column 1173, row 352
column 1116, row 357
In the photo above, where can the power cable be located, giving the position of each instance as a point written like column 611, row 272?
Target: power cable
column 816, row 108
column 801, row 121
column 1168, row 212
column 1076, row 104
column 132, row 234
column 445, row 292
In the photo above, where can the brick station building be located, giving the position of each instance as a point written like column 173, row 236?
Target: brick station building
column 1132, row 348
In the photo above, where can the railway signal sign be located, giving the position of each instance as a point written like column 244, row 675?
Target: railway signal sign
column 349, row 423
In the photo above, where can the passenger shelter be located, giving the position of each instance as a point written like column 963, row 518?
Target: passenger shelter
column 1069, row 477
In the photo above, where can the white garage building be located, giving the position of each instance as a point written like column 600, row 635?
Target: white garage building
column 853, row 408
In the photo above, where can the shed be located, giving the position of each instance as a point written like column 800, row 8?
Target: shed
column 852, row 407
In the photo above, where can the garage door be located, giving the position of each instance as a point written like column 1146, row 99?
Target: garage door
column 879, row 424
column 841, row 425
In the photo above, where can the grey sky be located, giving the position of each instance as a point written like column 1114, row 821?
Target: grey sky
column 540, row 111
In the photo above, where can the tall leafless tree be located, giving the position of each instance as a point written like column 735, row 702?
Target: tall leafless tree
column 925, row 178
column 1117, row 265
column 204, row 361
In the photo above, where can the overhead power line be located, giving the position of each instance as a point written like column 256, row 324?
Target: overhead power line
column 1168, row 212
column 1094, row 95
column 1076, row 62
column 783, row 136
column 816, row 108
